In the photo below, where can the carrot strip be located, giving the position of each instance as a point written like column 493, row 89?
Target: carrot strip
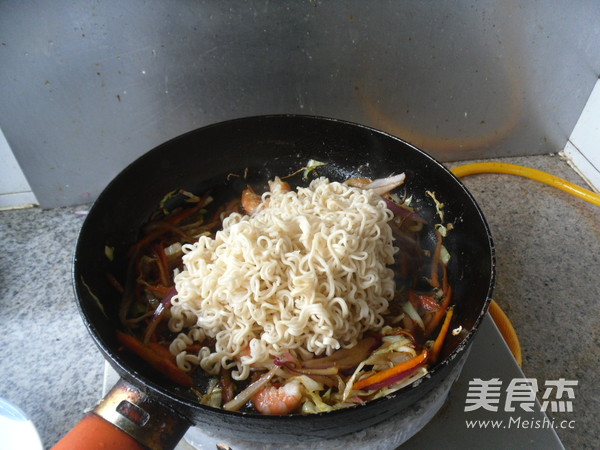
column 158, row 229
column 155, row 234
column 439, row 314
column 115, row 283
column 436, row 348
column 165, row 366
column 179, row 216
column 161, row 351
column 385, row 374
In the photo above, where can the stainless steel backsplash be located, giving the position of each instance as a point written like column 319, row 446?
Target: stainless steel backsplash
column 88, row 86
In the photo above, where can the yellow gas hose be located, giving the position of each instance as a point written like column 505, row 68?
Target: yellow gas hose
column 500, row 318
column 534, row 174
column 506, row 329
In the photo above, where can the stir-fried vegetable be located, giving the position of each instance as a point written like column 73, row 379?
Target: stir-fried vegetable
column 392, row 375
column 439, row 341
column 385, row 185
column 417, row 321
column 158, row 357
column 244, row 397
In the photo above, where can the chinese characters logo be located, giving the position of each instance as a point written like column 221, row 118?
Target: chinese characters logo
column 557, row 395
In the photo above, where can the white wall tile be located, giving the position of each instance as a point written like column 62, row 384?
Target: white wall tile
column 583, row 147
column 15, row 191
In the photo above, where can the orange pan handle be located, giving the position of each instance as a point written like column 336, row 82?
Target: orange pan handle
column 93, row 432
column 126, row 419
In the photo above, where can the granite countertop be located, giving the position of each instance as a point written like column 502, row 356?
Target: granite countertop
column 548, row 283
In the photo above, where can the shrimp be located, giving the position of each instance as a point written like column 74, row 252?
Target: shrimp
column 279, row 400
column 279, row 185
column 251, row 200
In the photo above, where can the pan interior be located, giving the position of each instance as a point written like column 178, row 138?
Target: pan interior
column 255, row 150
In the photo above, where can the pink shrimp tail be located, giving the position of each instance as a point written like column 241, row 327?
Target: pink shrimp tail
column 278, row 400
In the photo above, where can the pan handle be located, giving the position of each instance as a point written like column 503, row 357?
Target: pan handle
column 127, row 418
column 95, row 432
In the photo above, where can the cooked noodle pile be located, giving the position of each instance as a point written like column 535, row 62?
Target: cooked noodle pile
column 307, row 273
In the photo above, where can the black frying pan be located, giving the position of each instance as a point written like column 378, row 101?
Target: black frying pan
column 267, row 146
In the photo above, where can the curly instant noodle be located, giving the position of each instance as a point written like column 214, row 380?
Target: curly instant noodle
column 307, row 272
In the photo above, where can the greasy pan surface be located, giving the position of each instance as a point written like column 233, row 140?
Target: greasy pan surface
column 269, row 146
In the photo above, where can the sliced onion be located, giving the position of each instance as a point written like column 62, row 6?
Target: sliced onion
column 159, row 313
column 294, row 366
column 413, row 314
column 393, row 379
column 384, row 185
column 403, row 212
column 346, row 358
column 244, row 396
column 173, row 249
column 310, row 384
